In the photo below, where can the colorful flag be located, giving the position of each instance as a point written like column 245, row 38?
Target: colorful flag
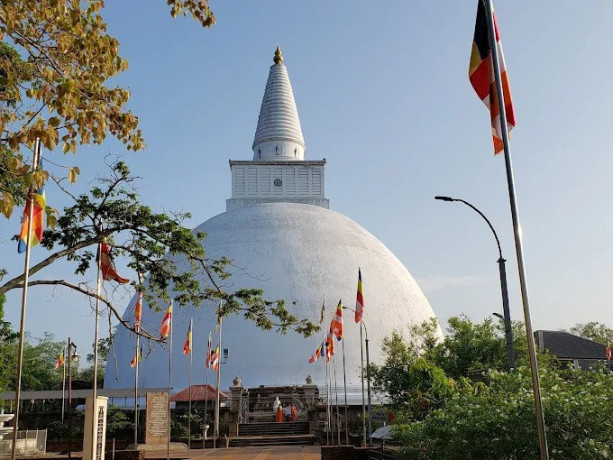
column 39, row 200
column 107, row 266
column 60, row 361
column 187, row 345
column 312, row 359
column 138, row 311
column 165, row 327
column 483, row 79
column 137, row 357
column 336, row 326
column 359, row 303
column 215, row 359
column 329, row 346
column 321, row 314
column 608, row 350
column 209, row 352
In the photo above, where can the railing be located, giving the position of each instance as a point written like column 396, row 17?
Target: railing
column 28, row 442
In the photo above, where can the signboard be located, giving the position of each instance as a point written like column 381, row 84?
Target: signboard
column 156, row 427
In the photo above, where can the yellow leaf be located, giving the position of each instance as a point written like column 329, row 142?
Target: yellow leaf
column 65, row 148
column 6, row 204
column 73, row 173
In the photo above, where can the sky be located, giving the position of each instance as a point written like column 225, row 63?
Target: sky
column 383, row 94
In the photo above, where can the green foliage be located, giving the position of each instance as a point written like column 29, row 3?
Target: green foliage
column 498, row 421
column 118, row 425
column 39, row 357
column 56, row 64
column 595, row 331
column 413, row 383
column 470, row 347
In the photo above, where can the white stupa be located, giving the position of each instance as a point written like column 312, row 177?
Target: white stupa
column 282, row 238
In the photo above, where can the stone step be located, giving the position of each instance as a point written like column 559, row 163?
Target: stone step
column 243, row 441
column 272, row 428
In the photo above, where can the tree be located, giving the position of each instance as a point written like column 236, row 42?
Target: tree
column 155, row 244
column 498, row 421
column 414, row 384
column 471, row 347
column 56, row 60
column 593, row 330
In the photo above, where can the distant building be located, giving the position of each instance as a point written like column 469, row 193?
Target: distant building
column 572, row 350
column 200, row 395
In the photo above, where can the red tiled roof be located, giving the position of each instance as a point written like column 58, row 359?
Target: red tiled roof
column 199, row 393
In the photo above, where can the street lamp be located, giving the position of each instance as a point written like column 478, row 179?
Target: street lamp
column 503, row 282
column 72, row 356
column 363, row 324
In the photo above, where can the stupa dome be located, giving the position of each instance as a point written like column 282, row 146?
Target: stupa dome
column 300, row 253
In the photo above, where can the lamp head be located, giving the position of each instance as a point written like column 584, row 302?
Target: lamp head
column 443, row 198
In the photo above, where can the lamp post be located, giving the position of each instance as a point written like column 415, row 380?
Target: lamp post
column 72, row 356
column 503, row 282
column 363, row 324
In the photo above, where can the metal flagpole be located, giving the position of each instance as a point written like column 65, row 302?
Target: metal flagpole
column 368, row 383
column 219, row 319
column 362, row 374
column 345, row 391
column 327, row 401
column 206, row 405
column 169, row 376
column 138, row 356
column 24, row 298
column 93, row 429
column 189, row 420
column 63, row 382
column 338, row 414
column 540, row 419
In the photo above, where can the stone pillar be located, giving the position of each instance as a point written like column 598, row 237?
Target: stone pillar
column 94, row 430
column 236, row 391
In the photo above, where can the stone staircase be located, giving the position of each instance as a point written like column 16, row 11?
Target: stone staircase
column 272, row 433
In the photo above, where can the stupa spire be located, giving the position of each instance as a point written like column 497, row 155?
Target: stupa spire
column 278, row 135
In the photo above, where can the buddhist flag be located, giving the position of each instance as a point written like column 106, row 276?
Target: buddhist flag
column 166, row 322
column 215, row 359
column 137, row 357
column 336, row 326
column 483, row 79
column 138, row 311
column 329, row 346
column 312, row 359
column 323, row 310
column 37, row 200
column 608, row 350
column 209, row 352
column 60, row 361
column 359, row 303
column 187, row 345
column 107, row 266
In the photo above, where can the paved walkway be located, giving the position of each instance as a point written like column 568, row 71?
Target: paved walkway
column 259, row 453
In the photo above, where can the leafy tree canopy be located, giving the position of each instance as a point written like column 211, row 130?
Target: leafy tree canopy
column 595, row 331
column 56, row 60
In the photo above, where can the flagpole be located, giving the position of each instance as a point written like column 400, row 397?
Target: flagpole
column 345, row 391
column 138, row 356
column 169, row 376
column 206, row 404
column 363, row 401
column 220, row 320
column 24, row 298
column 540, row 419
column 63, row 381
column 94, row 431
column 189, row 420
column 327, row 401
column 338, row 413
